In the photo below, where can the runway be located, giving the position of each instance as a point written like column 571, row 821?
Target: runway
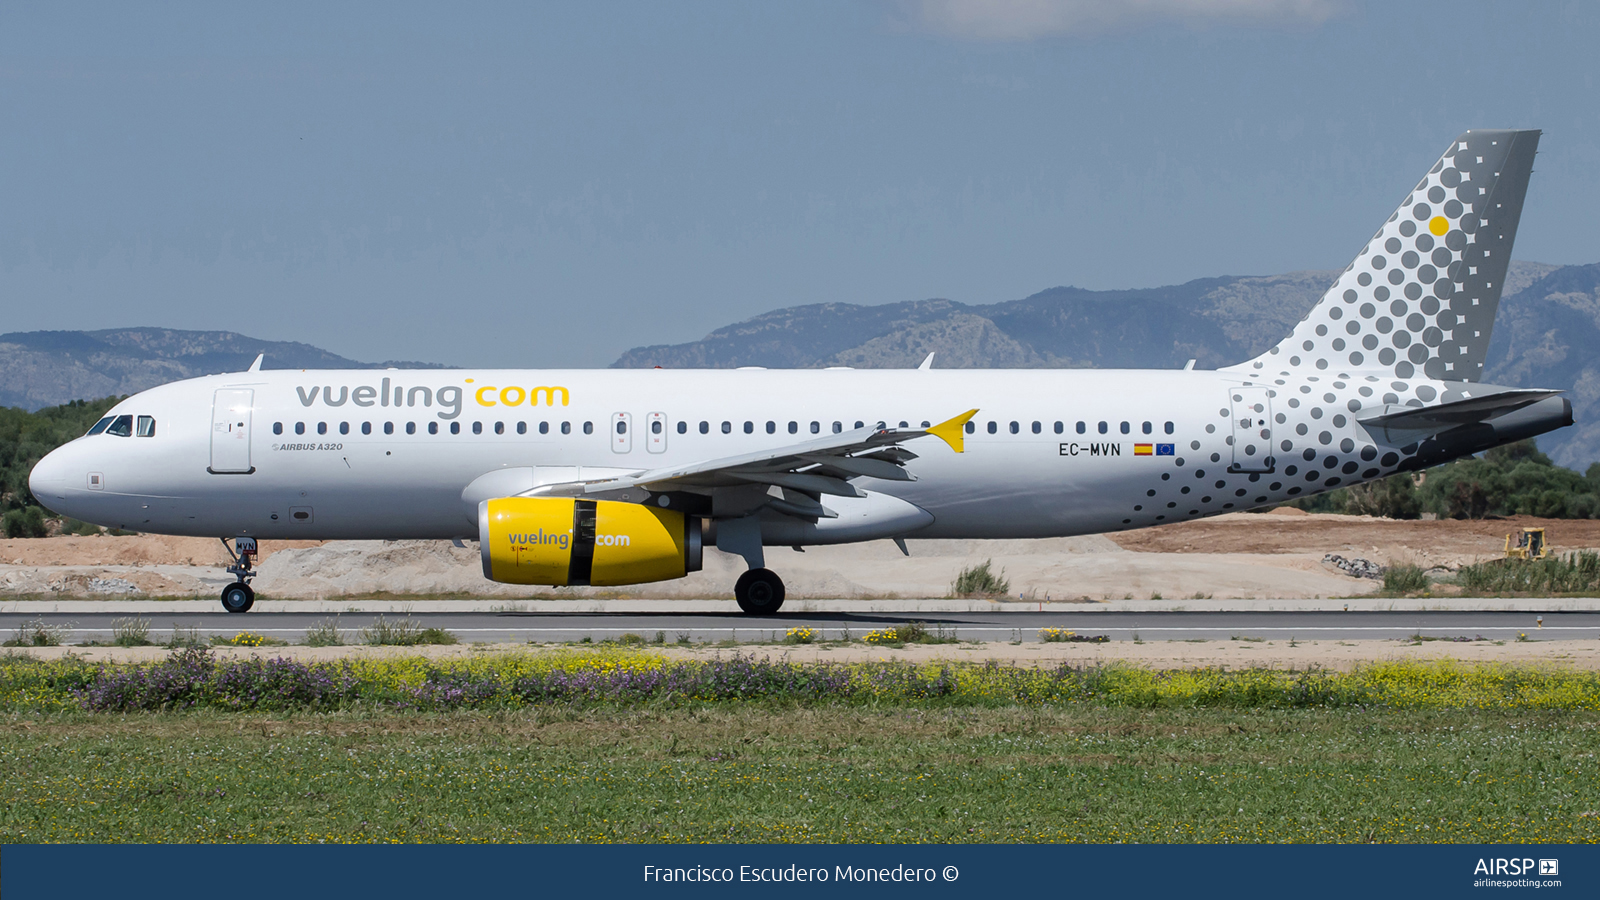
column 555, row 627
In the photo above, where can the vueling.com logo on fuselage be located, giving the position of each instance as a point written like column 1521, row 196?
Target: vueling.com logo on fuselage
column 448, row 398
column 539, row 538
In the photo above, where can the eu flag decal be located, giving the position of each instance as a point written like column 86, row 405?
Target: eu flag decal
column 1141, row 449
column 1164, row 449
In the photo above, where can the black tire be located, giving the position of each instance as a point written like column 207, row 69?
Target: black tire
column 759, row 592
column 238, row 598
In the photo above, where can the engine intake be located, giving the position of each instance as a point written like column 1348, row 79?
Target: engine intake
column 561, row 541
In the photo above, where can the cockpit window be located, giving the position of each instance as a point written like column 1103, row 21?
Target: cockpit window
column 147, row 426
column 101, row 425
column 122, row 426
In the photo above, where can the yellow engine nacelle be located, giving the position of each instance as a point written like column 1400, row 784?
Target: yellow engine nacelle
column 561, row 541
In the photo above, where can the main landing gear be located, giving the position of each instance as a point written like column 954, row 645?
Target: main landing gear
column 759, row 592
column 238, row 597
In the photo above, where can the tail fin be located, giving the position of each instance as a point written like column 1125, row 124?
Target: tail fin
column 1422, row 294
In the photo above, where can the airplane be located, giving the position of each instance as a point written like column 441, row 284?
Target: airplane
column 616, row 477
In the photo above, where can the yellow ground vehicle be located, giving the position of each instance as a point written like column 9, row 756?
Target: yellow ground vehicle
column 1530, row 545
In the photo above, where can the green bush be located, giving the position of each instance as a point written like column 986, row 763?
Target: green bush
column 25, row 523
column 980, row 580
column 1404, row 579
column 25, row 437
column 1571, row 573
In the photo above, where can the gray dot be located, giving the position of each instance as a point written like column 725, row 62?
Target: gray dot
column 1363, row 279
column 1309, row 345
column 1381, row 293
column 1424, row 242
column 1385, row 356
column 1383, row 324
column 1427, row 274
column 1391, row 399
column 1414, row 290
column 1367, row 310
column 1321, row 330
column 1322, row 364
column 1441, row 258
column 1294, row 360
column 1379, row 262
column 1397, row 275
column 1397, row 308
column 1402, row 339
column 1194, row 445
column 1370, row 342
column 1450, row 177
column 1325, row 438
column 1421, row 212
column 1287, row 446
column 1430, row 306
column 1356, row 358
column 1330, row 398
column 1415, row 322
column 1404, row 369
column 1456, row 241
column 1316, row 412
column 1424, row 392
column 1363, row 391
column 1392, row 245
column 1335, row 313
column 1443, row 288
column 1338, row 343
column 1354, row 405
column 1453, row 209
column 1410, row 259
column 1350, row 296
column 1432, row 336
column 1352, row 327
column 1400, row 386
column 1301, row 428
column 1436, row 194
column 1408, row 228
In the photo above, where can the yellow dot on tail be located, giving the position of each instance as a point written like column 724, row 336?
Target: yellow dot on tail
column 1439, row 225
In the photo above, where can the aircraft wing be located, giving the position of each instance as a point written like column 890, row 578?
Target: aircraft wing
column 790, row 479
column 1458, row 412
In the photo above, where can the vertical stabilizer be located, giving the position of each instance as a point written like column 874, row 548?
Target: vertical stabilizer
column 1421, row 297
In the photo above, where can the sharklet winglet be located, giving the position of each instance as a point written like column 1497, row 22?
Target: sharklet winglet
column 950, row 431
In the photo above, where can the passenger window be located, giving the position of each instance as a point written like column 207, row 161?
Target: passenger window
column 772, row 427
column 588, row 428
column 1082, row 427
column 1168, row 427
column 1015, row 428
column 838, row 427
column 411, row 428
column 749, row 427
column 344, row 427
column 499, row 428
column 522, row 428
column 455, row 427
column 277, row 427
column 299, row 428
column 816, row 427
column 705, row 427
column 860, row 424
column 1146, row 428
column 433, row 427
column 994, row 427
column 622, row 428
column 477, row 428
column 544, row 427
column 683, row 427
column 727, row 428
column 1037, row 428
column 121, row 426
column 388, row 428
column 566, row 427
column 1104, row 428
column 1125, row 428
column 927, row 424
column 794, row 427
column 322, row 428
column 1060, row 427
column 101, row 426
column 366, row 427
column 972, row 427
column 655, row 427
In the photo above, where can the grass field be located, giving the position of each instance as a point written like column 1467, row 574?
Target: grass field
column 643, row 751
column 836, row 774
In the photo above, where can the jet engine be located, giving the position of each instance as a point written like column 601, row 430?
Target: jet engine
column 562, row 541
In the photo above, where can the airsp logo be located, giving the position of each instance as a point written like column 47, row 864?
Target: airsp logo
column 1502, row 866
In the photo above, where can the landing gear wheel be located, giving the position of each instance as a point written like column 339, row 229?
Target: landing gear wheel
column 759, row 592
column 238, row 598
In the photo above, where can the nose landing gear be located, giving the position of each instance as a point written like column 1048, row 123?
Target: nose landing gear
column 238, row 597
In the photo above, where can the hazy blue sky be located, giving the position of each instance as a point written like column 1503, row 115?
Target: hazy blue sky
column 550, row 184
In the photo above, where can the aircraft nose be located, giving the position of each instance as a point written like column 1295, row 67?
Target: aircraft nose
column 48, row 480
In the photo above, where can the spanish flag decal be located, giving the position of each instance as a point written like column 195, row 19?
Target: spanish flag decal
column 1144, row 449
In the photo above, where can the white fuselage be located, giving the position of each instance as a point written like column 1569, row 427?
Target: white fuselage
column 387, row 454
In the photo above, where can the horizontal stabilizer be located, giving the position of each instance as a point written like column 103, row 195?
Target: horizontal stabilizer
column 1444, row 416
